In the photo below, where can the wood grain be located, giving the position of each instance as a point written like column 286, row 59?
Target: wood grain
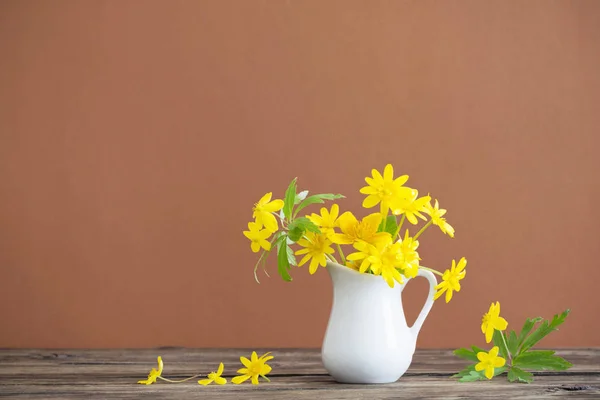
column 297, row 374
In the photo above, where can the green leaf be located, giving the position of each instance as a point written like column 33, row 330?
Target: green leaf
column 478, row 349
column 470, row 375
column 290, row 255
column 290, row 198
column 295, row 234
column 473, row 376
column 466, row 354
column 518, row 375
column 498, row 341
column 283, row 263
column 391, row 225
column 529, row 324
column 541, row 360
column 317, row 199
column 513, row 343
column 543, row 330
column 300, row 196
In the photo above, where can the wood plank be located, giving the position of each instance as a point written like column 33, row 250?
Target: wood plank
column 321, row 387
column 297, row 374
column 185, row 361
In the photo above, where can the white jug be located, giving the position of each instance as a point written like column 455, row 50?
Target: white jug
column 367, row 339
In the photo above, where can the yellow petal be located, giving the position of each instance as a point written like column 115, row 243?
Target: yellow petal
column 368, row 190
column 388, row 173
column 314, row 264
column 265, row 369
column 273, row 206
column 255, row 247
column 265, row 245
column 220, row 370
column 246, row 362
column 220, row 380
column 376, row 175
column 266, row 198
column 269, row 221
column 254, row 357
column 371, row 201
column 304, row 260
column 160, row 365
column 255, row 379
column 448, row 295
column 340, row 238
column 499, row 362
column 205, row 382
column 501, row 324
column 239, row 379
column 489, row 372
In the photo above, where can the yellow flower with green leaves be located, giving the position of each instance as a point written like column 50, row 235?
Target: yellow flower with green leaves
column 214, row 377
column 437, row 218
column 489, row 361
column 153, row 374
column 263, row 211
column 258, row 237
column 384, row 189
column 327, row 221
column 491, row 321
column 411, row 206
column 410, row 257
column 354, row 231
column 253, row 368
column 451, row 280
column 316, row 247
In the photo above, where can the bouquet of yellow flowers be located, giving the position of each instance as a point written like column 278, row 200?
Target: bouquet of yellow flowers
column 378, row 246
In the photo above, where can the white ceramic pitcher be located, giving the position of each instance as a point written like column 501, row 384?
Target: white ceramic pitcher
column 367, row 339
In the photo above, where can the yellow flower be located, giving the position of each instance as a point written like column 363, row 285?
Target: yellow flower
column 410, row 263
column 369, row 257
column 382, row 259
column 489, row 361
column 154, row 374
column 214, row 377
column 258, row 237
column 384, row 189
column 327, row 221
column 354, row 231
column 450, row 279
column 411, row 206
column 253, row 368
column 436, row 213
column 492, row 321
column 315, row 247
column 263, row 212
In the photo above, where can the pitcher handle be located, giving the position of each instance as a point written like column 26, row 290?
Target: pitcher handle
column 428, row 303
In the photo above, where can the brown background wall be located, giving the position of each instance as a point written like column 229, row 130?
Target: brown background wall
column 135, row 137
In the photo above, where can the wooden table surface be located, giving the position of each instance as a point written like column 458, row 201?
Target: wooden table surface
column 297, row 374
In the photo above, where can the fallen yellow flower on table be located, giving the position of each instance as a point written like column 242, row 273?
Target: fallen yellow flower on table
column 489, row 361
column 154, row 374
column 214, row 377
column 491, row 321
column 253, row 368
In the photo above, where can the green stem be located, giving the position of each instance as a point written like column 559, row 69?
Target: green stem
column 400, row 225
column 431, row 270
column 331, row 258
column 506, row 346
column 427, row 225
column 179, row 381
column 341, row 253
